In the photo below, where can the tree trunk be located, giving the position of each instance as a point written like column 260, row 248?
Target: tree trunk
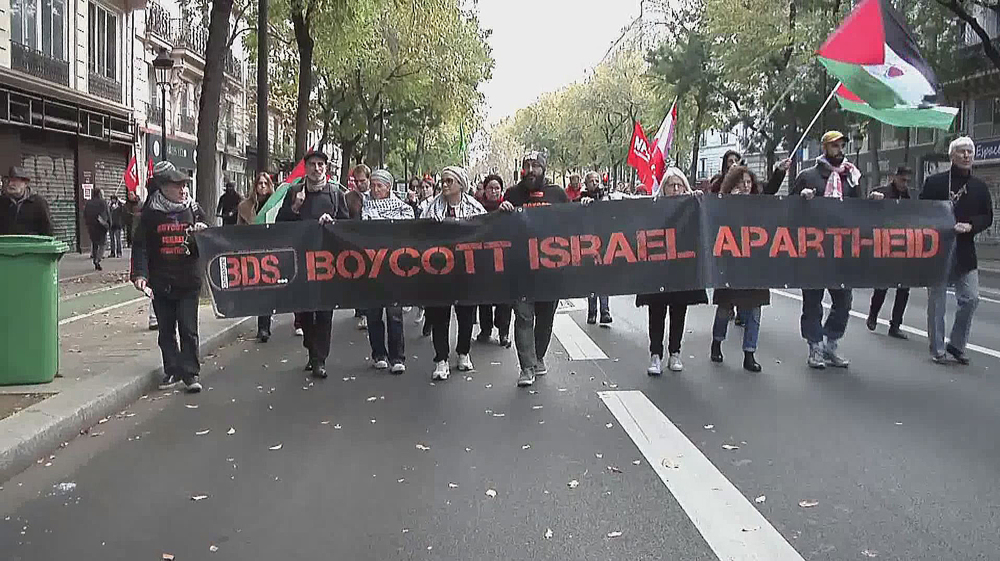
column 697, row 145
column 210, row 102
column 305, row 43
column 346, row 152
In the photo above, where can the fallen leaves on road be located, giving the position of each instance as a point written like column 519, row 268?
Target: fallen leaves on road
column 808, row 504
column 709, row 427
column 324, row 422
column 488, row 386
column 371, row 399
column 536, row 407
column 231, row 431
column 614, row 469
column 467, row 449
column 636, row 462
column 525, row 447
column 615, row 534
column 760, row 499
column 453, row 485
column 197, row 498
column 202, row 432
column 423, row 448
column 730, row 447
column 275, row 447
column 869, row 553
column 563, row 389
column 573, row 484
column 400, row 480
column 669, row 464
column 167, row 557
column 598, row 455
column 499, row 414
column 102, row 421
column 337, row 426
column 190, row 406
column 213, row 548
column 753, row 529
column 491, row 493
column 609, row 425
column 548, row 533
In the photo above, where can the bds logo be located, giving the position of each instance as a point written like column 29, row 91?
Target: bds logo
column 253, row 270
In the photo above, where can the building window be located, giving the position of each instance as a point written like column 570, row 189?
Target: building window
column 704, row 139
column 724, row 138
column 103, row 42
column 46, row 33
column 702, row 171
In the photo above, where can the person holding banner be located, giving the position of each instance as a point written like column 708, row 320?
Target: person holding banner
column 493, row 315
column 832, row 177
column 246, row 213
column 315, row 199
column 383, row 204
column 973, row 210
column 899, row 188
column 453, row 203
column 533, row 320
column 594, row 192
column 674, row 184
column 356, row 198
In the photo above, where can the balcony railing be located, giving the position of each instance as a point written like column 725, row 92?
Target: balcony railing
column 105, row 87
column 38, row 64
column 158, row 21
column 188, row 124
column 230, row 138
column 154, row 114
column 190, row 36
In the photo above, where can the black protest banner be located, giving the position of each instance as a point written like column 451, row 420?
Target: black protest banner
column 622, row 247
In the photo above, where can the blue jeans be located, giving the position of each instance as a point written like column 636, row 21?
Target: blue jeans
column 377, row 334
column 967, row 293
column 592, row 306
column 751, row 326
column 812, row 325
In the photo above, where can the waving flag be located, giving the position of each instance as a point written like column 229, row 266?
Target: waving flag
column 639, row 156
column 933, row 117
column 875, row 56
column 269, row 212
column 131, row 175
column 661, row 143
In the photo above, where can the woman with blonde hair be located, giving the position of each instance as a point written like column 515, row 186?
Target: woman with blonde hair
column 674, row 184
column 246, row 213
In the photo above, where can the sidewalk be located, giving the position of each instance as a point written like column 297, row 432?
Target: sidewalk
column 107, row 361
column 74, row 265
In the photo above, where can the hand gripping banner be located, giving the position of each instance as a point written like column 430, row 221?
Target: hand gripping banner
column 616, row 247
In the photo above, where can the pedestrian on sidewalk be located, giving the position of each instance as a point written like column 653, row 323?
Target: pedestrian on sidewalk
column 246, row 213
column 898, row 188
column 229, row 204
column 973, row 209
column 383, row 204
column 356, row 198
column 674, row 184
column 493, row 315
column 315, row 199
column 748, row 304
column 130, row 209
column 97, row 218
column 117, row 210
column 21, row 211
column 533, row 319
column 454, row 203
column 595, row 192
column 165, row 267
column 833, row 177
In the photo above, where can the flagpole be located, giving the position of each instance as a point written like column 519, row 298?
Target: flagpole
column 781, row 98
column 815, row 118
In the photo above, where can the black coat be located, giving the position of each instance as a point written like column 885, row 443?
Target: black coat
column 92, row 213
column 815, row 178
column 677, row 298
column 328, row 200
column 29, row 217
column 974, row 206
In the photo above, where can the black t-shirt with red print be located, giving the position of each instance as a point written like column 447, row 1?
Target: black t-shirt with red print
column 522, row 195
column 164, row 252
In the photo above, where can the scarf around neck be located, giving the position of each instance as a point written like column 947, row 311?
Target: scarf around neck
column 163, row 204
column 834, row 184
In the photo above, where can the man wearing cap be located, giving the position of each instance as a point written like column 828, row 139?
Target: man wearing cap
column 165, row 268
column 898, row 188
column 972, row 206
column 533, row 320
column 21, row 211
column 832, row 177
column 315, row 199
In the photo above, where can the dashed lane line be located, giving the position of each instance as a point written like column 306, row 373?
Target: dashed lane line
column 578, row 345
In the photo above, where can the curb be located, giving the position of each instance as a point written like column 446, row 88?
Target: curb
column 41, row 428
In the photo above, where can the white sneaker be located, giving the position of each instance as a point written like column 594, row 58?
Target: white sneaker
column 465, row 363
column 380, row 364
column 299, row 332
column 363, row 323
column 398, row 368
column 655, row 366
column 674, row 362
column 406, row 309
column 420, row 316
column 441, row 370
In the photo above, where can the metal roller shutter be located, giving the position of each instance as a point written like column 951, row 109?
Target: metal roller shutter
column 991, row 175
column 109, row 172
column 52, row 171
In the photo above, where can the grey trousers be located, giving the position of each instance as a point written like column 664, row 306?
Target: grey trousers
column 532, row 330
column 967, row 293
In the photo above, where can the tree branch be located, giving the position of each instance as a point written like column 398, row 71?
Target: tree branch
column 988, row 49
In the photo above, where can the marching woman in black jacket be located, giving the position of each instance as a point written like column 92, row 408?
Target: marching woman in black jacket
column 165, row 268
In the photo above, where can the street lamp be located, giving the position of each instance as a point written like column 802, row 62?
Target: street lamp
column 163, row 67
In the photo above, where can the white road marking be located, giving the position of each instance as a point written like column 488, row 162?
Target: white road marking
column 729, row 523
column 101, row 311
column 906, row 328
column 981, row 297
column 567, row 305
column 579, row 346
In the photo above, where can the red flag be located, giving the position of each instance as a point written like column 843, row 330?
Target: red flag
column 149, row 174
column 639, row 156
column 661, row 144
column 131, row 176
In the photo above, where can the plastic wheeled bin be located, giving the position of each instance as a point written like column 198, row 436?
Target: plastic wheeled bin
column 29, row 309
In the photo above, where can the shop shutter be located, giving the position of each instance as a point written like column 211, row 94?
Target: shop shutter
column 991, row 175
column 52, row 172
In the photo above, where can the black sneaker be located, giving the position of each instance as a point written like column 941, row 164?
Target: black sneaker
column 592, row 320
column 872, row 323
column 505, row 341
column 896, row 333
column 319, row 371
column 169, row 382
column 606, row 318
column 263, row 336
column 483, row 337
column 427, row 329
column 192, row 385
column 309, row 366
column 960, row 357
column 716, row 353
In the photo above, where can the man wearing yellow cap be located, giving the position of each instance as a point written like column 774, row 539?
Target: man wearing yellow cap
column 835, row 178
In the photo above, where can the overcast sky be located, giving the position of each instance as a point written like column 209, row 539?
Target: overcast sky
column 543, row 45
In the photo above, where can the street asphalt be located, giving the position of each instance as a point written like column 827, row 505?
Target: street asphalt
column 899, row 455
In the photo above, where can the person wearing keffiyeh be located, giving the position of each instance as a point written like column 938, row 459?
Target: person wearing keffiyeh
column 832, row 177
column 454, row 202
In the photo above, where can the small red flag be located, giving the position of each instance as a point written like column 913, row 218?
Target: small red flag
column 149, row 174
column 639, row 156
column 131, row 176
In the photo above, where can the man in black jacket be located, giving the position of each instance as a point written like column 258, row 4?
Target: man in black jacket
column 21, row 211
column 533, row 320
column 898, row 188
column 97, row 218
column 315, row 199
column 229, row 202
column 836, row 178
column 973, row 209
column 165, row 268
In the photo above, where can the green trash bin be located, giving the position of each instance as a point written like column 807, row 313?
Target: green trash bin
column 29, row 309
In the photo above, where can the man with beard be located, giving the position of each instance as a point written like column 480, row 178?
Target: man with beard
column 533, row 320
column 315, row 199
column 21, row 211
column 832, row 177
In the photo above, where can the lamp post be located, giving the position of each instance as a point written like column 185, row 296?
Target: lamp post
column 163, row 67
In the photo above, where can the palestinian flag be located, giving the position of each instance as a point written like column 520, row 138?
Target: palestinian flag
column 269, row 211
column 875, row 55
column 932, row 117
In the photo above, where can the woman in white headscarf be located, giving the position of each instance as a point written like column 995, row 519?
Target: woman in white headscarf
column 454, row 202
column 674, row 184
